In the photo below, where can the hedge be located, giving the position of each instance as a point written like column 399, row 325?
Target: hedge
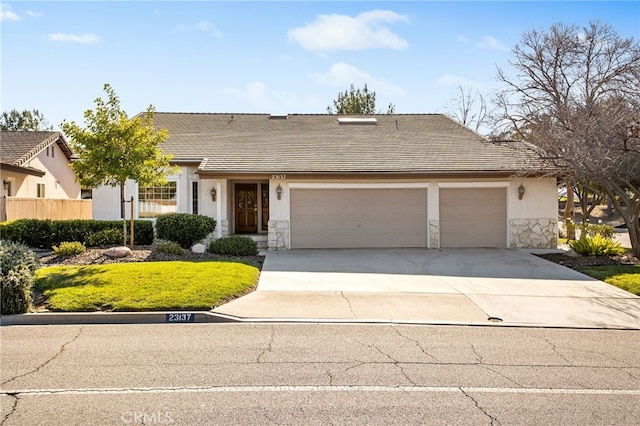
column 46, row 233
column 184, row 228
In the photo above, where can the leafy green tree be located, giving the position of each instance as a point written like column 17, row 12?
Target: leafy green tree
column 357, row 101
column 114, row 148
column 24, row 120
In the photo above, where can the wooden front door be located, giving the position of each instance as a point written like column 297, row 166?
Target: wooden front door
column 246, row 208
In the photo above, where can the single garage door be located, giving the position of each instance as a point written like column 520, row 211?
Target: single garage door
column 358, row 218
column 473, row 217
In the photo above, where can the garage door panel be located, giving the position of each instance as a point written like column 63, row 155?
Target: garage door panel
column 358, row 218
column 473, row 217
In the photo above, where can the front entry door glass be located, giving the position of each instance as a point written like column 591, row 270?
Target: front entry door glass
column 265, row 206
column 246, row 208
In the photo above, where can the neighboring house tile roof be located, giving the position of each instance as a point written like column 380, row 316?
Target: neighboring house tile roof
column 17, row 148
column 397, row 143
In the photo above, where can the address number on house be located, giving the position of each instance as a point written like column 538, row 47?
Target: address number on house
column 180, row 317
column 278, row 177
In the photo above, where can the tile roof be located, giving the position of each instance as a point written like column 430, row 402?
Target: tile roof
column 17, row 148
column 299, row 143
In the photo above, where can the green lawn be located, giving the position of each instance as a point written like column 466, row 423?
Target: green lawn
column 627, row 277
column 145, row 286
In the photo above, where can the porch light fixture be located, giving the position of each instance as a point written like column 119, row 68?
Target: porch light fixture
column 213, row 193
column 279, row 192
column 5, row 184
column 520, row 192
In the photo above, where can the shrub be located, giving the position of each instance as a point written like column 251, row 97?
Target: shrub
column 30, row 232
column 169, row 247
column 184, row 228
column 67, row 248
column 603, row 230
column 46, row 233
column 17, row 267
column 105, row 237
column 596, row 246
column 234, row 246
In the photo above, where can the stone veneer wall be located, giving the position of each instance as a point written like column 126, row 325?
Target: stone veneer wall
column 224, row 227
column 534, row 233
column 434, row 234
column 278, row 237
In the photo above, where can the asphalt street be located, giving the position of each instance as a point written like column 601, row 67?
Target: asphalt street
column 243, row 374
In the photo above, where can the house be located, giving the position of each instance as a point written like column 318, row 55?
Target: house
column 332, row 181
column 37, row 180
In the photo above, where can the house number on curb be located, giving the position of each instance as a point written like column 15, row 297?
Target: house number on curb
column 180, row 318
column 278, row 177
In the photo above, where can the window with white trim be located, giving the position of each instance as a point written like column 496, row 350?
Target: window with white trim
column 157, row 200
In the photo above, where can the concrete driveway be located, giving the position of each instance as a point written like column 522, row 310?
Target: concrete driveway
column 453, row 286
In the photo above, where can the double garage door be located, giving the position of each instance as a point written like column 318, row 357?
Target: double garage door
column 377, row 218
column 358, row 218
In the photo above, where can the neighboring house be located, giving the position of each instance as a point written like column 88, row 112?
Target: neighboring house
column 332, row 181
column 34, row 167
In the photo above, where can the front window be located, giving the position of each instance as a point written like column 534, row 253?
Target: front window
column 157, row 200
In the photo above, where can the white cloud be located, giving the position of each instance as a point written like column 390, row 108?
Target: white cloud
column 34, row 14
column 343, row 75
column 205, row 27
column 7, row 15
column 462, row 39
column 86, row 38
column 330, row 33
column 263, row 98
column 489, row 42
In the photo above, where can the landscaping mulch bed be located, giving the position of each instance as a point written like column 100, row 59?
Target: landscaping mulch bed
column 96, row 256
column 572, row 261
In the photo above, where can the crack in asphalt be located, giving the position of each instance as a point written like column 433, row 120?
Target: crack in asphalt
column 481, row 364
column 269, row 347
column 627, row 372
column 357, row 364
column 13, row 406
column 349, row 303
column 477, row 354
column 554, row 348
column 394, row 361
column 424, row 351
column 44, row 364
column 330, row 377
column 493, row 421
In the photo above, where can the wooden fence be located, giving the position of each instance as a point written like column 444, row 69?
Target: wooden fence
column 42, row 208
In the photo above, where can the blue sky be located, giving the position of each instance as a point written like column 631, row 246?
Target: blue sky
column 268, row 57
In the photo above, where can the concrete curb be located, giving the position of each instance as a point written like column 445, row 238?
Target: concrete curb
column 132, row 318
column 81, row 318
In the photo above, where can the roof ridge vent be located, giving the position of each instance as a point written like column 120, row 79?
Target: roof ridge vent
column 278, row 116
column 357, row 120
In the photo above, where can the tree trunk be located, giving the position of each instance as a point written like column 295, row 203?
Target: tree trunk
column 630, row 212
column 569, row 214
column 122, row 213
column 634, row 236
